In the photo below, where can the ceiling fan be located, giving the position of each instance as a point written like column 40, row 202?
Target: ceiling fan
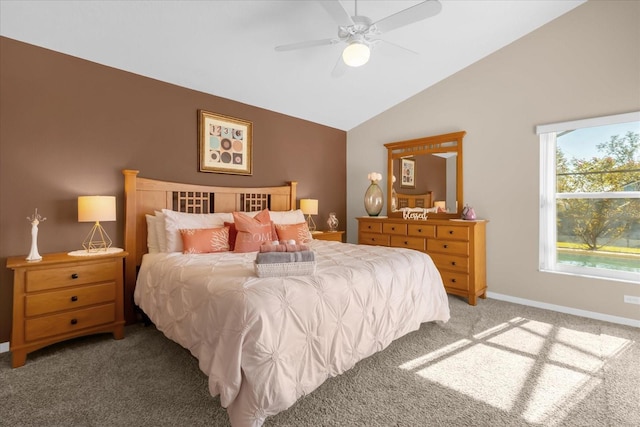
column 359, row 32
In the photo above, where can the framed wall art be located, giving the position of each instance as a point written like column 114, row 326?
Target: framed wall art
column 224, row 144
column 408, row 167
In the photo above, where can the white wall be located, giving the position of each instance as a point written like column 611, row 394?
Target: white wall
column 584, row 64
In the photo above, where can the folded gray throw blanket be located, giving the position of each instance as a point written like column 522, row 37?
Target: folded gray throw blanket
column 280, row 257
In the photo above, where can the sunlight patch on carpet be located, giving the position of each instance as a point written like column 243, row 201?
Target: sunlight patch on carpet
column 547, row 367
column 483, row 372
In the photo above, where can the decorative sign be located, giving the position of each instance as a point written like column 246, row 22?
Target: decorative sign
column 421, row 215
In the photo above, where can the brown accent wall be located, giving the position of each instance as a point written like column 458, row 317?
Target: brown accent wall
column 69, row 126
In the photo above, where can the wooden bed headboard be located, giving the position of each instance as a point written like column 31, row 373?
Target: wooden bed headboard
column 415, row 200
column 145, row 196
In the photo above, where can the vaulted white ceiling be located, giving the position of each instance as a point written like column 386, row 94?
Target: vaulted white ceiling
column 226, row 48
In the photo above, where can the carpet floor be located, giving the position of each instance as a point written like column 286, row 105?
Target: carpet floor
column 495, row 364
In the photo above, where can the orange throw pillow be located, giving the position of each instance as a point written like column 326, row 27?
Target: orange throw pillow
column 252, row 232
column 204, row 240
column 298, row 232
column 233, row 233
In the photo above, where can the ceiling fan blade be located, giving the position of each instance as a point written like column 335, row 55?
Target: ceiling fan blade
column 337, row 12
column 416, row 13
column 339, row 69
column 397, row 46
column 309, row 43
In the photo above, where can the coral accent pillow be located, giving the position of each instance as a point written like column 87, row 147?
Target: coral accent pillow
column 233, row 233
column 204, row 240
column 252, row 232
column 298, row 232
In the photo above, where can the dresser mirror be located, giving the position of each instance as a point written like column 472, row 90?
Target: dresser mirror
column 425, row 173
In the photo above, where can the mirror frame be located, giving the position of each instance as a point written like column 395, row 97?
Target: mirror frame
column 427, row 145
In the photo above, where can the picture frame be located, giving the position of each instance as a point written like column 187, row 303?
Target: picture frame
column 225, row 144
column 408, row 175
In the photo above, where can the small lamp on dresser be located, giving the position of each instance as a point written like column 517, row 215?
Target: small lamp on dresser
column 96, row 209
column 309, row 207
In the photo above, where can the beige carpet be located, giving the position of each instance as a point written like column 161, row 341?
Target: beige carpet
column 496, row 364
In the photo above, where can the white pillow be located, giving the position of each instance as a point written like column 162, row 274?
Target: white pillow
column 287, row 217
column 174, row 221
column 152, row 235
column 161, row 233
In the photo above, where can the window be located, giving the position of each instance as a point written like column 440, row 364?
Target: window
column 590, row 197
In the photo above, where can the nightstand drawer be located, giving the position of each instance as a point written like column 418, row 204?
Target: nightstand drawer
column 49, row 302
column 373, row 239
column 70, row 321
column 52, row 278
column 332, row 236
column 416, row 243
column 448, row 246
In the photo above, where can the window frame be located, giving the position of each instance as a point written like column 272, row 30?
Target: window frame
column 548, row 198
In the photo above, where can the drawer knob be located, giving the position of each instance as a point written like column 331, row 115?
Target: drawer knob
column 445, row 246
column 453, row 280
column 419, row 230
column 74, row 321
column 406, row 243
column 74, row 276
column 74, row 298
column 393, row 228
column 453, row 263
column 450, row 231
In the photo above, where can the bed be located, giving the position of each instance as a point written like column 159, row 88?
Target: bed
column 266, row 342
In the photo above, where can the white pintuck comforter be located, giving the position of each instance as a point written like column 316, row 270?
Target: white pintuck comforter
column 266, row 342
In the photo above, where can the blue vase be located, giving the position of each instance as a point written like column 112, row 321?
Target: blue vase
column 373, row 199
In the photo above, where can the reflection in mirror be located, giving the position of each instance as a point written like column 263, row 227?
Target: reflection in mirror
column 426, row 173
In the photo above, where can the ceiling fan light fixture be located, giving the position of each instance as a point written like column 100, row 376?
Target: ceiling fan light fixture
column 356, row 54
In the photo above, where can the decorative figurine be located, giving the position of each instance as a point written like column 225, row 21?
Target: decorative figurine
column 332, row 222
column 468, row 213
column 35, row 219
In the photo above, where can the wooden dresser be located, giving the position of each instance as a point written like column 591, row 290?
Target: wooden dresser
column 62, row 297
column 457, row 248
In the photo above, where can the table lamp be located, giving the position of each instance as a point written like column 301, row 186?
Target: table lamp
column 96, row 209
column 309, row 207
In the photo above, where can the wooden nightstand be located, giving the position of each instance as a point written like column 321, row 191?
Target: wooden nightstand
column 335, row 236
column 62, row 297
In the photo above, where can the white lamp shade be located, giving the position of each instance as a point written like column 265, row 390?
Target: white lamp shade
column 356, row 54
column 309, row 206
column 96, row 208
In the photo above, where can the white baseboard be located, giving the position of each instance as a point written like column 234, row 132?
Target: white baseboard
column 4, row 347
column 568, row 310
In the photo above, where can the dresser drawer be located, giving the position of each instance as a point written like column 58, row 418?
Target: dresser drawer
column 392, row 228
column 371, row 227
column 451, row 262
column 70, row 321
column 373, row 239
column 417, row 243
column 66, row 299
column 452, row 232
column 453, row 280
column 448, row 246
column 420, row 230
column 52, row 278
